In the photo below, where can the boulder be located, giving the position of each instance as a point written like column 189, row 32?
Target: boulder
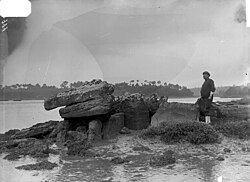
column 125, row 130
column 78, row 148
column 88, row 91
column 23, row 147
column 95, row 131
column 98, row 106
column 40, row 130
column 136, row 114
column 113, row 126
column 60, row 132
column 76, row 136
column 174, row 112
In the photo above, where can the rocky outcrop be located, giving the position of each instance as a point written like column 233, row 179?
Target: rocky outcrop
column 173, row 112
column 40, row 130
column 23, row 147
column 113, row 126
column 88, row 91
column 93, row 107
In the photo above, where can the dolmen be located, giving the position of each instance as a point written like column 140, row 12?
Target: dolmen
column 87, row 112
column 93, row 113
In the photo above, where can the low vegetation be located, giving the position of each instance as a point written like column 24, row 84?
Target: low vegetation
column 193, row 132
column 238, row 129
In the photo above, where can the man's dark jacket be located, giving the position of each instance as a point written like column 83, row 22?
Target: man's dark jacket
column 207, row 87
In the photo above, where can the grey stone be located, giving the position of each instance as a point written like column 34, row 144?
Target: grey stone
column 88, row 91
column 113, row 126
column 93, row 107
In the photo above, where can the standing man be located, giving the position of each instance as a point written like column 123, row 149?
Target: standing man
column 207, row 92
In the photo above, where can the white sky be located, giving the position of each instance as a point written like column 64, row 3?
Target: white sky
column 120, row 40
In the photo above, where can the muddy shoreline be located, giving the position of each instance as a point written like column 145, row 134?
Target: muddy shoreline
column 134, row 155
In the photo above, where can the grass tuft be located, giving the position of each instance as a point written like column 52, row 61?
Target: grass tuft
column 191, row 131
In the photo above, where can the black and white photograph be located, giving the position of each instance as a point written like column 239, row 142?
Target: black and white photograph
column 125, row 90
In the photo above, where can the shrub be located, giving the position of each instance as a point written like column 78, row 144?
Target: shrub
column 239, row 129
column 193, row 132
column 151, row 132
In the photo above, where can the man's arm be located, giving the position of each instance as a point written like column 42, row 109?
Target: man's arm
column 212, row 89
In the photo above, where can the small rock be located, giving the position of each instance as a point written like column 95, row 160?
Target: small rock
column 204, row 149
column 44, row 165
column 165, row 159
column 12, row 157
column 247, row 161
column 168, row 153
column 118, row 160
column 109, row 179
column 137, row 176
column 226, row 150
column 114, row 147
column 220, row 158
column 125, row 130
column 141, row 148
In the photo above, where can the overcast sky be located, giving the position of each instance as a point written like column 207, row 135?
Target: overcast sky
column 120, row 40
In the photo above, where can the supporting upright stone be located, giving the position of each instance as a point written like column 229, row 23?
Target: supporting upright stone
column 136, row 114
column 61, row 132
column 113, row 126
column 95, row 131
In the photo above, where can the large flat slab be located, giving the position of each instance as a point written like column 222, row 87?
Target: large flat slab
column 93, row 107
column 83, row 93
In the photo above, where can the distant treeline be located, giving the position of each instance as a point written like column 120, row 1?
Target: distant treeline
column 227, row 91
column 238, row 91
column 40, row 92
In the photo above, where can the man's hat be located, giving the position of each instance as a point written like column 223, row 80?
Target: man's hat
column 206, row 72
